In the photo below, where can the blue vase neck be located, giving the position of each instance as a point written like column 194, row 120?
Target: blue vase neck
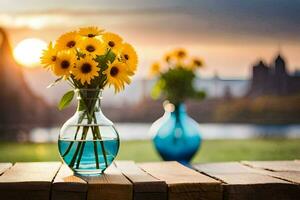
column 179, row 110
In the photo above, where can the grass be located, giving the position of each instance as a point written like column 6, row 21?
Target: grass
column 140, row 151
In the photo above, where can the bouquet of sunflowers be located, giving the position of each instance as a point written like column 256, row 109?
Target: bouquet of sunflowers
column 175, row 75
column 90, row 59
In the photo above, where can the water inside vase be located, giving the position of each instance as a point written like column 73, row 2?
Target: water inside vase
column 88, row 157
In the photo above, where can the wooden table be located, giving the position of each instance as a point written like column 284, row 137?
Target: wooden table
column 126, row 180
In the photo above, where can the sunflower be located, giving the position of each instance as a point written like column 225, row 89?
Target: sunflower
column 86, row 69
column 168, row 57
column 112, row 41
column 64, row 63
column 117, row 75
column 180, row 53
column 129, row 56
column 48, row 57
column 91, row 31
column 196, row 63
column 92, row 46
column 155, row 69
column 67, row 41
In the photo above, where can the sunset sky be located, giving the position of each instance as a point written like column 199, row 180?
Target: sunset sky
column 230, row 35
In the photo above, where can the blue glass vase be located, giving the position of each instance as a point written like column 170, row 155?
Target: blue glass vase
column 176, row 136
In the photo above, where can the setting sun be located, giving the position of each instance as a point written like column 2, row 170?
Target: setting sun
column 28, row 52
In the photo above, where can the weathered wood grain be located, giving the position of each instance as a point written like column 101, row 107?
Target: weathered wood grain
column 184, row 183
column 275, row 165
column 255, row 180
column 111, row 185
column 145, row 186
column 286, row 170
column 28, row 181
column 244, row 183
column 4, row 167
column 67, row 186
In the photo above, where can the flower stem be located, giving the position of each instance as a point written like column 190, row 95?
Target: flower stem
column 72, row 163
column 98, row 134
column 77, row 130
column 84, row 134
column 95, row 149
column 71, row 144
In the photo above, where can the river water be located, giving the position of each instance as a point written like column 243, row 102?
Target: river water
column 139, row 131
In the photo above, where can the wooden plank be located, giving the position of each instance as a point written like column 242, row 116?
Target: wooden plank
column 28, row 181
column 286, row 170
column 111, row 185
column 244, row 183
column 145, row 186
column 4, row 167
column 293, row 177
column 223, row 168
column 183, row 182
column 68, row 186
column 275, row 165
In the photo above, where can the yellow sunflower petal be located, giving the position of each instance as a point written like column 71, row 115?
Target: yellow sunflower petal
column 48, row 57
column 117, row 75
column 67, row 41
column 112, row 41
column 129, row 56
column 91, row 31
column 180, row 53
column 155, row 69
column 92, row 46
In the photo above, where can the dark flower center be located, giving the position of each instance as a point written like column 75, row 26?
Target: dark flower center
column 197, row 62
column 126, row 57
column 114, row 71
column 53, row 58
column 90, row 48
column 86, row 68
column 168, row 58
column 65, row 64
column 71, row 44
column 91, row 35
column 181, row 54
column 111, row 44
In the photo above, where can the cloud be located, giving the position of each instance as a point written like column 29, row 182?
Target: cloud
column 275, row 20
column 229, row 34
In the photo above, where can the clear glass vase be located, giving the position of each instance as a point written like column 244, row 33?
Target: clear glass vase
column 88, row 142
column 176, row 136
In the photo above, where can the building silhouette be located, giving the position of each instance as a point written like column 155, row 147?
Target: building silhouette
column 273, row 79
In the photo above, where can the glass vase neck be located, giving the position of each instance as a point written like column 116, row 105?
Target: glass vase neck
column 89, row 99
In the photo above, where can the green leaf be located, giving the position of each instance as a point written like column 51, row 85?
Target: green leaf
column 103, row 60
column 66, row 100
column 110, row 56
column 157, row 89
column 55, row 82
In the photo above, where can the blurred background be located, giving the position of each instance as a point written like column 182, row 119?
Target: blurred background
column 251, row 51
